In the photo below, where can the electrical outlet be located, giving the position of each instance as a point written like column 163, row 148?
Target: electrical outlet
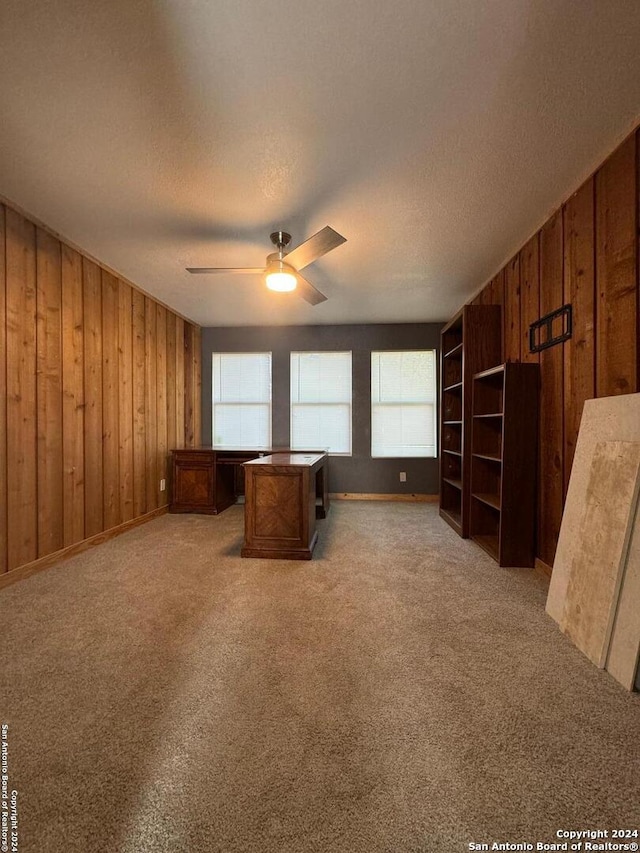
column 403, row 476
column 163, row 485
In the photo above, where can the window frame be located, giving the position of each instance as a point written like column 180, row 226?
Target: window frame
column 269, row 405
column 293, row 405
column 434, row 403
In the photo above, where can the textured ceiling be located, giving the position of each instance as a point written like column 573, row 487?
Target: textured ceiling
column 436, row 135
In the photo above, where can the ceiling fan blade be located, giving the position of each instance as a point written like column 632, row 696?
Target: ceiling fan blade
column 308, row 292
column 315, row 247
column 227, row 270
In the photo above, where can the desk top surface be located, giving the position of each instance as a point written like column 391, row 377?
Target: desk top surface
column 298, row 460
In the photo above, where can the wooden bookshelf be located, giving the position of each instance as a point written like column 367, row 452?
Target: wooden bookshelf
column 503, row 462
column 470, row 342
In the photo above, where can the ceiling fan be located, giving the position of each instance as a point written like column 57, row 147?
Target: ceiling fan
column 282, row 270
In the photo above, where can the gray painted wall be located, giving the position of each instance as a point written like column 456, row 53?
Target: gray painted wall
column 359, row 472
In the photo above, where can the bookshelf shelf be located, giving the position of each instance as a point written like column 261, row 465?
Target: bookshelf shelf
column 457, row 484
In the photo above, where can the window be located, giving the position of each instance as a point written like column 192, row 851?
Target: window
column 241, row 399
column 321, row 401
column 403, row 403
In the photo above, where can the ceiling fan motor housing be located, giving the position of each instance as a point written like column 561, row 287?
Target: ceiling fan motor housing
column 276, row 264
column 280, row 239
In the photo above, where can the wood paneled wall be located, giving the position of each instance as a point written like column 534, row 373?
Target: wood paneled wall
column 101, row 382
column 586, row 254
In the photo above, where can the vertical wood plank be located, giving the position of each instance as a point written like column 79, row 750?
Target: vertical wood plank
column 72, row 396
column 49, row 392
column 579, row 292
column 151, row 400
column 197, row 391
column 616, row 272
column 22, row 504
column 180, row 399
column 110, row 399
column 161, row 405
column 637, row 264
column 171, row 382
column 496, row 297
column 3, row 397
column 93, row 468
column 512, row 310
column 529, row 295
column 125, row 401
column 189, row 411
column 551, row 444
column 497, row 289
column 139, row 408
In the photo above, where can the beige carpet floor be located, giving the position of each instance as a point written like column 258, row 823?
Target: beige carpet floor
column 400, row 692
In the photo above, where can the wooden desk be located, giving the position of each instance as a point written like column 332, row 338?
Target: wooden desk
column 209, row 479
column 280, row 505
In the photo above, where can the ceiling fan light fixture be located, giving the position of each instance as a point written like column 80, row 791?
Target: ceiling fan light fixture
column 280, row 276
column 284, row 276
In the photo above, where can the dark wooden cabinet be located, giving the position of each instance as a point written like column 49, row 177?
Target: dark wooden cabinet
column 205, row 480
column 193, row 481
column 470, row 342
column 503, row 462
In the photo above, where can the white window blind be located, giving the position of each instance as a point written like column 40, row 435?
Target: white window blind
column 241, row 399
column 321, row 401
column 403, row 403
